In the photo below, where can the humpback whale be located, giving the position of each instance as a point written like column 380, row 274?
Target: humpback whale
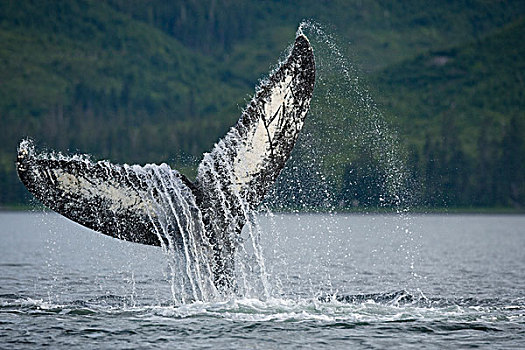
column 157, row 205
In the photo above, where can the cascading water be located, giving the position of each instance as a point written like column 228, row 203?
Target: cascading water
column 247, row 263
column 172, row 213
column 174, row 209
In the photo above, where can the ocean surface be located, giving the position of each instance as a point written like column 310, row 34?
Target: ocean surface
column 333, row 282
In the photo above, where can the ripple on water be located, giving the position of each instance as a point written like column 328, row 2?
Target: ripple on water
column 115, row 319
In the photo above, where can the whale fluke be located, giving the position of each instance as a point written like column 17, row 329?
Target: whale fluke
column 156, row 205
column 109, row 198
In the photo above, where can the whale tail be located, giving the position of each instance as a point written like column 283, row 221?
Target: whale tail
column 142, row 204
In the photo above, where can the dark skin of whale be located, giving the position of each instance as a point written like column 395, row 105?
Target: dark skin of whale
column 118, row 200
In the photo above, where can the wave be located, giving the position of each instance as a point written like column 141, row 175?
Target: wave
column 337, row 311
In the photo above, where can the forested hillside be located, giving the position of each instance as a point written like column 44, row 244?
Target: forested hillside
column 152, row 81
column 462, row 113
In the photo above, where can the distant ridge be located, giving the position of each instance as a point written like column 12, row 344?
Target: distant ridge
column 148, row 80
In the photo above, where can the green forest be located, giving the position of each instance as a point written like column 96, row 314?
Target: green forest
column 150, row 81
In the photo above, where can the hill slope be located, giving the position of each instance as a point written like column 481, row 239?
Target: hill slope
column 462, row 112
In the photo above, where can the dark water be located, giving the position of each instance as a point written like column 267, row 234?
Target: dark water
column 344, row 281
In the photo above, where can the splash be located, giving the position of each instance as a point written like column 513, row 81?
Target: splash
column 348, row 158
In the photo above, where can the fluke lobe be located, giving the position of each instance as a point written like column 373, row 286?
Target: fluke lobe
column 156, row 205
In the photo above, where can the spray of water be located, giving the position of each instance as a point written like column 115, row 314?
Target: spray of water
column 344, row 129
column 348, row 156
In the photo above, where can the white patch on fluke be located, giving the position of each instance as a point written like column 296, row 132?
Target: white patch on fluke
column 119, row 196
column 257, row 148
